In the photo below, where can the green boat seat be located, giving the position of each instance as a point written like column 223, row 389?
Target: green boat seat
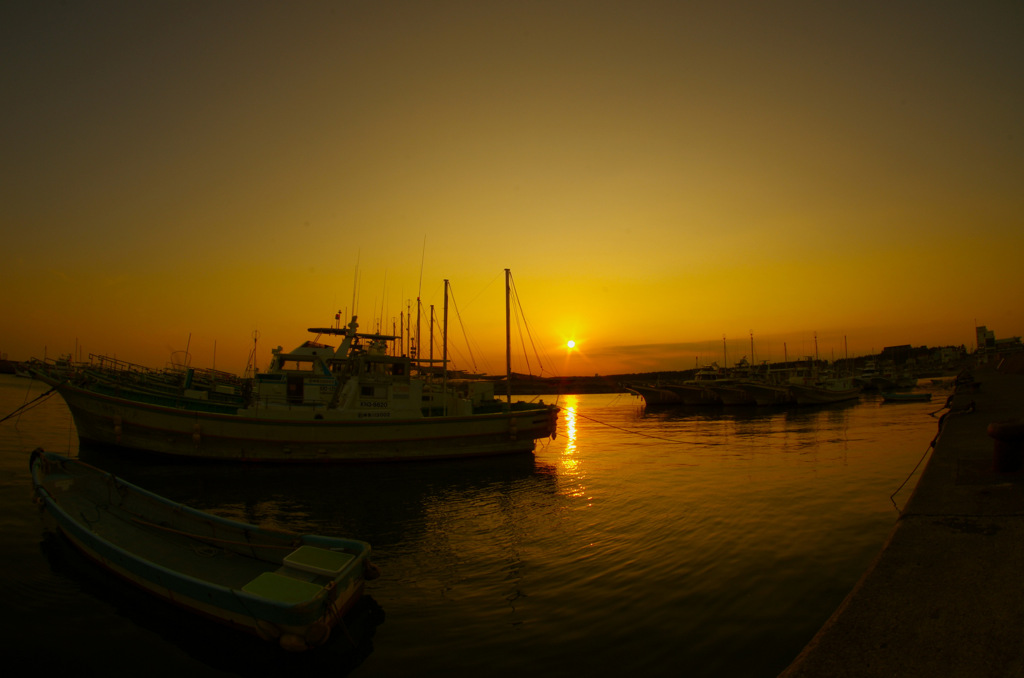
column 318, row 561
column 282, row 589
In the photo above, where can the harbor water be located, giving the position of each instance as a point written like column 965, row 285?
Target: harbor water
column 681, row 542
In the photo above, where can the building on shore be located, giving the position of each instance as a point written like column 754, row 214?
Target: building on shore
column 989, row 346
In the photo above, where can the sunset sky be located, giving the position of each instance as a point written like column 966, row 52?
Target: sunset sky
column 657, row 176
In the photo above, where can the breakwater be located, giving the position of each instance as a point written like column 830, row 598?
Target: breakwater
column 944, row 597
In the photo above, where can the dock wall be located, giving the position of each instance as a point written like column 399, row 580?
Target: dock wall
column 945, row 597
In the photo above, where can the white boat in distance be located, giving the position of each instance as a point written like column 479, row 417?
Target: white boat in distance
column 314, row 404
column 812, row 387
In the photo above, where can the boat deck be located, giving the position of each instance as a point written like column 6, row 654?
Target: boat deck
column 205, row 558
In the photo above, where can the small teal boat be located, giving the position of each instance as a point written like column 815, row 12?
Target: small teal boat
column 908, row 397
column 287, row 587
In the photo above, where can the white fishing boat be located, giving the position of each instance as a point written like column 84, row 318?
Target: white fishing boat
column 357, row 402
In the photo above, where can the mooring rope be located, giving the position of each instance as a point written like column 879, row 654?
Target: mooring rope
column 30, row 404
column 631, row 431
column 942, row 422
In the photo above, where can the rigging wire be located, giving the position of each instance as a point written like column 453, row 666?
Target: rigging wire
column 462, row 326
column 522, row 323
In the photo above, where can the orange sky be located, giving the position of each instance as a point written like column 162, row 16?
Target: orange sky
column 657, row 175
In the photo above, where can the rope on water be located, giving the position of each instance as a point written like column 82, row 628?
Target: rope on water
column 626, row 430
column 30, row 404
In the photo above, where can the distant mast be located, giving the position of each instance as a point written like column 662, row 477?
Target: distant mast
column 508, row 339
column 444, row 349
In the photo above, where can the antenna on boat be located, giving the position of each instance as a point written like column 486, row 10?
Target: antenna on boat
column 355, row 286
column 419, row 341
column 419, row 302
column 251, row 365
column 383, row 304
column 408, row 327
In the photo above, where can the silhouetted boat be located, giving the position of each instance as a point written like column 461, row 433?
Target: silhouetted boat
column 697, row 391
column 812, row 386
column 906, row 397
column 283, row 586
column 654, row 396
column 770, row 388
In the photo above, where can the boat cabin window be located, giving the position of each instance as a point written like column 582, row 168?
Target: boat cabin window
column 377, row 368
column 297, row 365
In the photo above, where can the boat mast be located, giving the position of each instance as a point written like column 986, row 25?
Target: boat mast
column 444, row 349
column 508, row 340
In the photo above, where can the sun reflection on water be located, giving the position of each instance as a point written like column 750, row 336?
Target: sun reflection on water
column 571, row 463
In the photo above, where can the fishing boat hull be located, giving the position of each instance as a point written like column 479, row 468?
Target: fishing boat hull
column 816, row 395
column 282, row 586
column 695, row 394
column 734, row 394
column 302, row 433
column 769, row 394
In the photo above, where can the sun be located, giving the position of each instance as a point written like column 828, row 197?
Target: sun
column 571, row 343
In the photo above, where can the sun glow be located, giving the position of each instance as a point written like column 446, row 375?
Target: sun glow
column 571, row 344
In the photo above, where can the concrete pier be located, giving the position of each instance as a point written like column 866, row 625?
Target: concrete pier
column 945, row 597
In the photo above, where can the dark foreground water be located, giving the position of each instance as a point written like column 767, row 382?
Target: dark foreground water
column 676, row 543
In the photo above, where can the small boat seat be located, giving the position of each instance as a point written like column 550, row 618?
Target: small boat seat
column 282, row 589
column 318, row 561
